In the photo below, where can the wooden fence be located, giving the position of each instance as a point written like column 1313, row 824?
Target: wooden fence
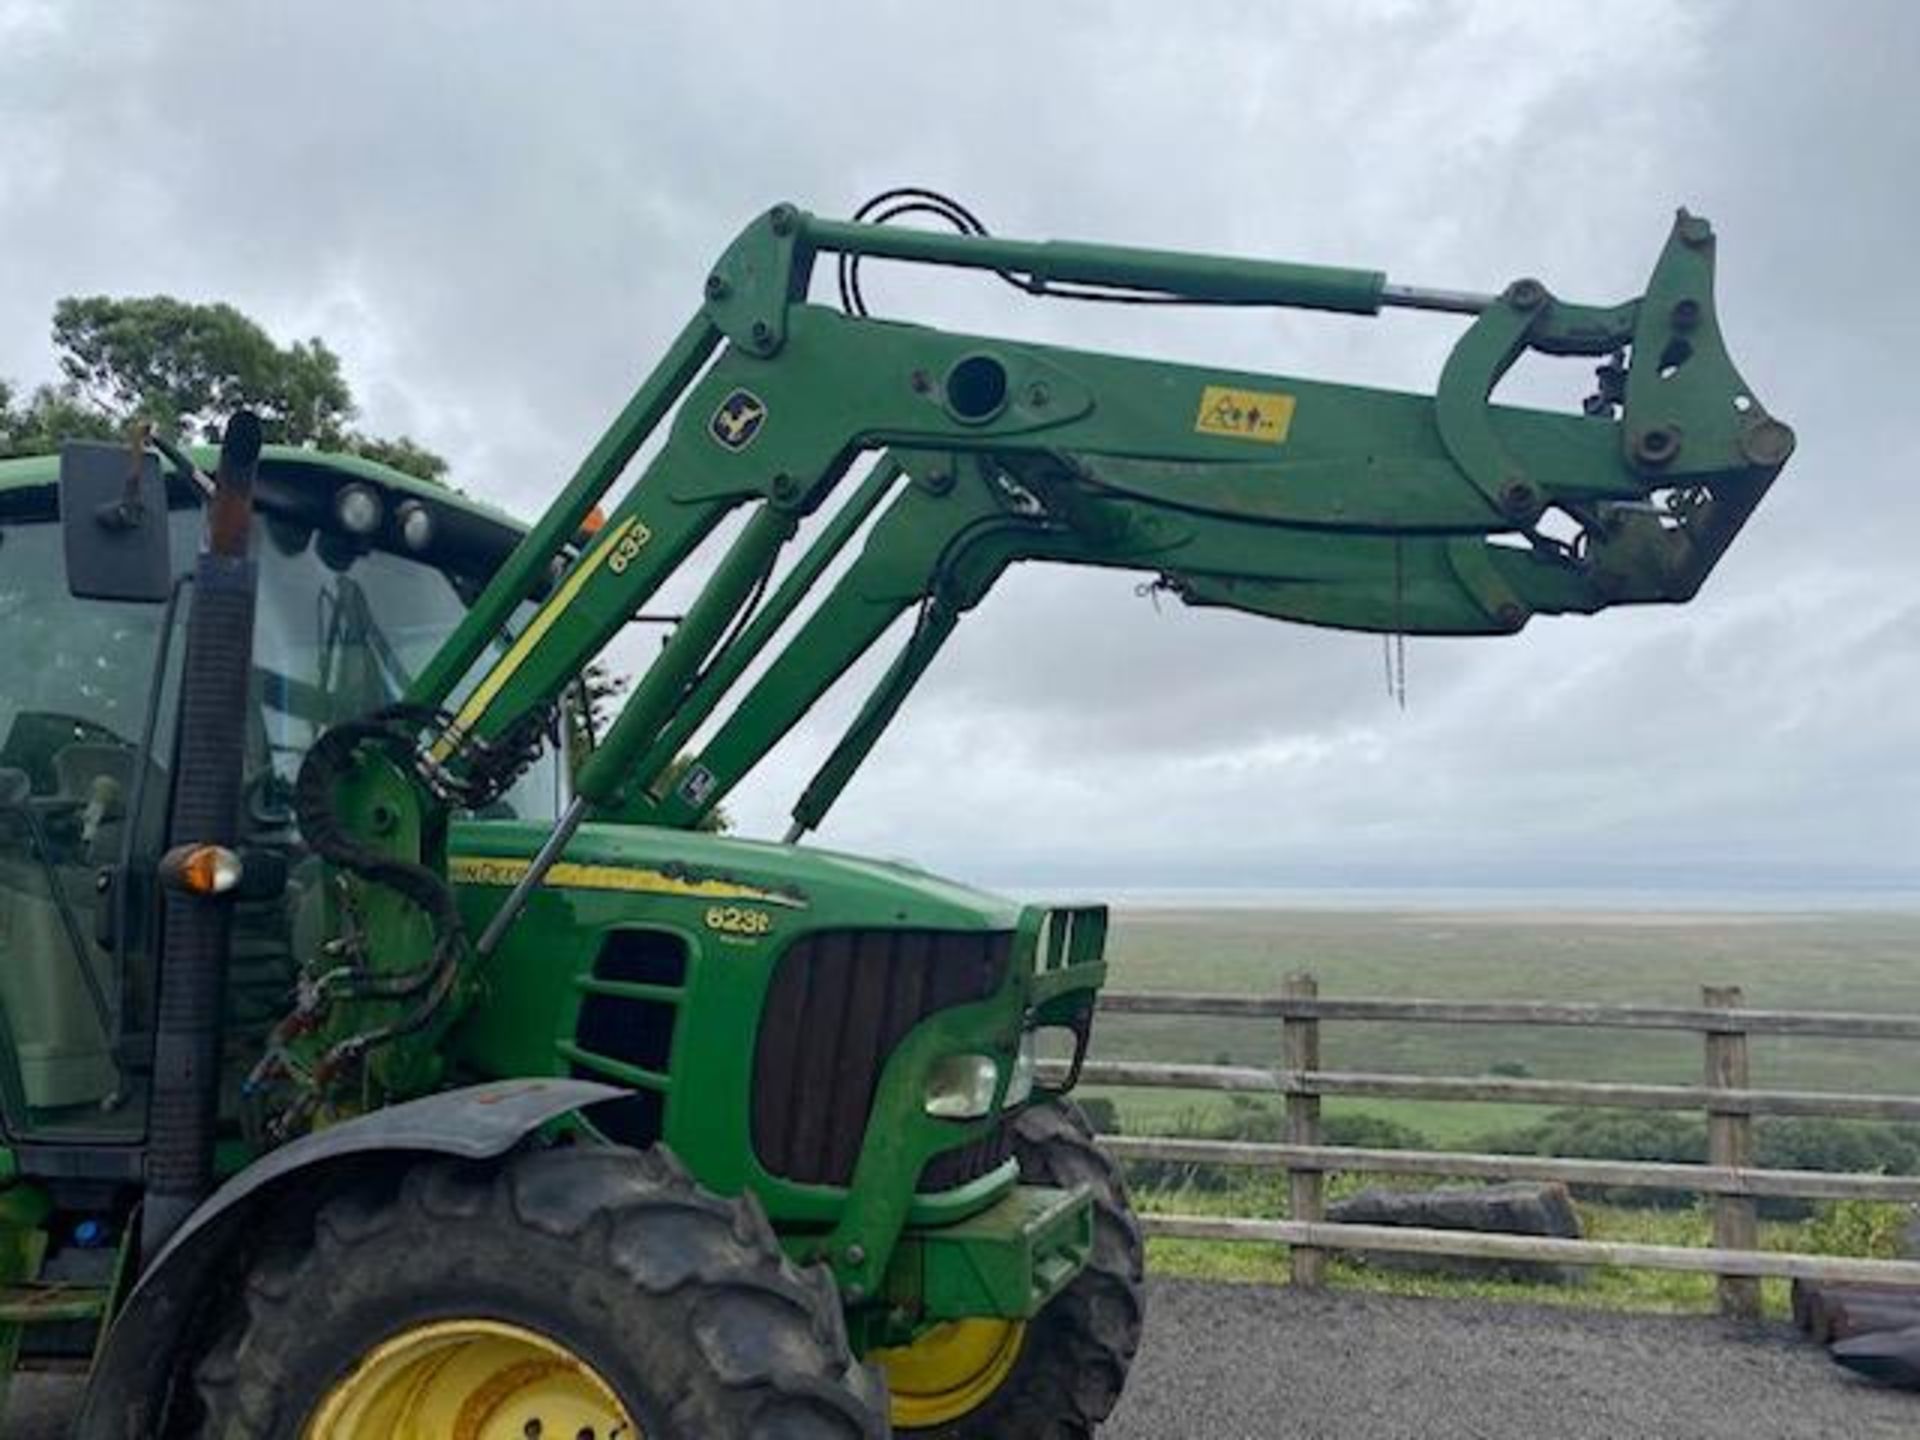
column 1724, row 1095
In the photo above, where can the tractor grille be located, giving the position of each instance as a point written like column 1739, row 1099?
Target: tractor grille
column 951, row 1169
column 631, row 1030
column 839, row 1003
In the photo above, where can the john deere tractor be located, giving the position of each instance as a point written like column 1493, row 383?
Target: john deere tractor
column 384, row 1053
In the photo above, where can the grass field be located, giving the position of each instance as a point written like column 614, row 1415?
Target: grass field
column 1815, row 961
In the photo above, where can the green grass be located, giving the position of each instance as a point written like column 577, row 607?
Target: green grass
column 1449, row 1124
column 1851, row 1228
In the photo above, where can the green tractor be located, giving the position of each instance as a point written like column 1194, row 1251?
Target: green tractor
column 383, row 1053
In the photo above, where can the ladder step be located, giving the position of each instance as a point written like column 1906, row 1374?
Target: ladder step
column 51, row 1304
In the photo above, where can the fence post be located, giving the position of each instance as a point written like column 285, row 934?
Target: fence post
column 1306, row 1189
column 1736, row 1224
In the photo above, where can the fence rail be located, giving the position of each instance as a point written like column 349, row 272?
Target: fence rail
column 1839, row 1024
column 1725, row 1096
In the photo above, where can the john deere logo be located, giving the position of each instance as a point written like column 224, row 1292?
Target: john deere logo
column 737, row 420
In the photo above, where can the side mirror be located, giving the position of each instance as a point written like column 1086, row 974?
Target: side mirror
column 113, row 512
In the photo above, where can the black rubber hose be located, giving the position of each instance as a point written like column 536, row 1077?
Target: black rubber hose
column 329, row 761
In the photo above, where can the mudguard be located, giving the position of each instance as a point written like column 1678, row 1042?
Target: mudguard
column 133, row 1377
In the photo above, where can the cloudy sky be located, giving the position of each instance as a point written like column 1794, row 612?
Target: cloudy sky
column 499, row 214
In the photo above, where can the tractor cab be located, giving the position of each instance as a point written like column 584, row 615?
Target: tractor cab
column 363, row 573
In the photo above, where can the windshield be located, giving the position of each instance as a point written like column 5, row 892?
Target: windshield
column 343, row 631
column 340, row 631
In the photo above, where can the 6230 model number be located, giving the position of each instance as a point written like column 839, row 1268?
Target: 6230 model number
column 738, row 920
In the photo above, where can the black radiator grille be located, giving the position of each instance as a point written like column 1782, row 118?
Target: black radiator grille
column 951, row 1169
column 839, row 1003
column 630, row 1030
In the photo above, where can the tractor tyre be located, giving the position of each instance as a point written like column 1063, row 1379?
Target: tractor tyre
column 564, row 1293
column 1058, row 1375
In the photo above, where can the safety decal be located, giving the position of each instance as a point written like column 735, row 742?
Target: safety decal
column 1263, row 415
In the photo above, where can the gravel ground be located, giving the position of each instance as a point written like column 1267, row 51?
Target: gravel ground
column 1255, row 1363
column 1245, row 1362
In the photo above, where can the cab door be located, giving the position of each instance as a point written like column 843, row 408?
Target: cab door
column 86, row 720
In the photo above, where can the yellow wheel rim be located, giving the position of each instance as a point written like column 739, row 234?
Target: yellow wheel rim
column 470, row 1380
column 950, row 1371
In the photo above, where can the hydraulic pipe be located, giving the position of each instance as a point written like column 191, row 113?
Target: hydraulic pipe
column 1223, row 279
column 1420, row 297
column 793, row 589
column 665, row 684
column 550, row 851
column 871, row 723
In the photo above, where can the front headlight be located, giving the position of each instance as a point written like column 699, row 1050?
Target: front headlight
column 1020, row 1086
column 960, row 1087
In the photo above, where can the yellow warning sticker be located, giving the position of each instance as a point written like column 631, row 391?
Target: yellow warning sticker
column 1244, row 414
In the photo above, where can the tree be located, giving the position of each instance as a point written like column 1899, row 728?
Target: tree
column 187, row 366
column 38, row 425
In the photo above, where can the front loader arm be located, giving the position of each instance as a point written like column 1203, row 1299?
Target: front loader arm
column 1282, row 496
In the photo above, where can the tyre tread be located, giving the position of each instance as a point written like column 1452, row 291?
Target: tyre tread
column 601, row 1202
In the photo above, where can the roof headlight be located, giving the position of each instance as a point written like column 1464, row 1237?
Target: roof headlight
column 416, row 525
column 359, row 509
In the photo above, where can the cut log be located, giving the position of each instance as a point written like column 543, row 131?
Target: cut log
column 1890, row 1357
column 1513, row 1209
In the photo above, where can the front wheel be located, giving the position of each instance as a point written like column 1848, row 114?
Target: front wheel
column 565, row 1294
column 1058, row 1375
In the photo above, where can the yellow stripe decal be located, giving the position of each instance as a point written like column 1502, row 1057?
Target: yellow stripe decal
column 477, row 870
column 496, row 679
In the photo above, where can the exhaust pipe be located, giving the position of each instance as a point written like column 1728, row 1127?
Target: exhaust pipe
column 206, row 812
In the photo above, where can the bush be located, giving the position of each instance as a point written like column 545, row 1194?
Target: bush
column 1779, row 1144
column 1812, row 1144
column 1873, row 1229
column 1372, row 1132
column 1872, row 1147
column 1612, row 1135
column 1102, row 1114
column 1260, row 1121
column 1179, row 1175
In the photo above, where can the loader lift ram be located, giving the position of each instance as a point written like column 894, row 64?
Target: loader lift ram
column 362, row 1076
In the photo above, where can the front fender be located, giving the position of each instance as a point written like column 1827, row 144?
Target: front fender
column 133, row 1375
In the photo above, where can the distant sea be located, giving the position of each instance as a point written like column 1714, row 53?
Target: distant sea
column 1771, row 900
